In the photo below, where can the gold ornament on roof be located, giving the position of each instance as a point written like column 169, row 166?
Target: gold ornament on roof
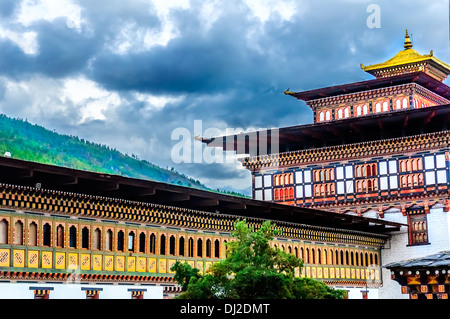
column 409, row 61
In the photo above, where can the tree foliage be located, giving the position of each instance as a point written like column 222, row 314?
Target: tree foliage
column 252, row 270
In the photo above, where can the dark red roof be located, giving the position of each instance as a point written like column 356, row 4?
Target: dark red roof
column 417, row 77
column 371, row 127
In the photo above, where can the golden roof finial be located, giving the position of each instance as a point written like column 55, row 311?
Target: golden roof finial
column 408, row 43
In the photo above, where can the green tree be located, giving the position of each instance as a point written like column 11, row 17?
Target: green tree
column 252, row 269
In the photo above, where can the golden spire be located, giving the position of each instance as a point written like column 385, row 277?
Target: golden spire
column 408, row 43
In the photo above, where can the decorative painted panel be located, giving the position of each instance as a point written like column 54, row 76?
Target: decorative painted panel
column 162, row 265
column 152, row 265
column 60, row 260
column 120, row 263
column 141, row 264
column 33, row 259
column 171, row 263
column 19, row 258
column 4, row 257
column 85, row 261
column 131, row 264
column 73, row 261
column 97, row 262
column 109, row 263
column 47, row 259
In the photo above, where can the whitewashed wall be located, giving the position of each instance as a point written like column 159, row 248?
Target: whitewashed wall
column 398, row 250
column 73, row 291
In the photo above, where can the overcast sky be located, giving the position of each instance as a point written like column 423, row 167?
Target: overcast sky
column 129, row 73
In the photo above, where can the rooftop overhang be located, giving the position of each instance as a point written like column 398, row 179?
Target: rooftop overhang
column 420, row 78
column 34, row 176
column 372, row 127
column 440, row 260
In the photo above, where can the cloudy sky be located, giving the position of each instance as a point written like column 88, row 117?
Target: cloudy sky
column 129, row 73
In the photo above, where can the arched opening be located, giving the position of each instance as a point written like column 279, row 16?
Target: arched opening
column 181, row 246
column 217, row 248
column 109, row 240
column 97, row 239
column 32, row 234
column 199, row 248
column 85, row 238
column 191, row 247
column 73, row 237
column 208, row 248
column 47, row 235
column 131, row 238
column 3, row 232
column 152, row 244
column 142, row 242
column 120, row 240
column 172, row 245
column 162, row 245
column 18, row 233
column 60, row 236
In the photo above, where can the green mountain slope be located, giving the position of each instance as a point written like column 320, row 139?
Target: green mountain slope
column 34, row 143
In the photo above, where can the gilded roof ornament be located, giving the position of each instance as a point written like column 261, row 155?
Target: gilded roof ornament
column 408, row 61
column 408, row 43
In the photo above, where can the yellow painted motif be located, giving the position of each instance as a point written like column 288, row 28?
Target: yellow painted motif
column 208, row 266
column 47, row 259
column 162, row 266
column 319, row 272
column 120, row 263
column 73, row 261
column 152, row 265
column 85, row 261
column 60, row 260
column 332, row 275
column 313, row 272
column 109, row 263
column 33, row 259
column 97, row 262
column 141, row 264
column 19, row 258
column 4, row 257
column 171, row 263
column 353, row 273
column 191, row 263
column 131, row 264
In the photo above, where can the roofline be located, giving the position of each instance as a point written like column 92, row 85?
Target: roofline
column 319, row 130
column 420, row 78
column 73, row 181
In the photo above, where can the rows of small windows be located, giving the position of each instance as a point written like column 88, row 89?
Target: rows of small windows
column 331, row 256
column 166, row 244
column 350, row 178
column 284, row 194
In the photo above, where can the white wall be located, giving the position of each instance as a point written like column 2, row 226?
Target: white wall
column 73, row 291
column 398, row 250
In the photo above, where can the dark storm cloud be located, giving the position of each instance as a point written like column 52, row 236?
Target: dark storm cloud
column 230, row 74
column 197, row 61
column 62, row 51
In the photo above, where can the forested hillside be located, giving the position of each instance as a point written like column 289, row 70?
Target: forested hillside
column 31, row 142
